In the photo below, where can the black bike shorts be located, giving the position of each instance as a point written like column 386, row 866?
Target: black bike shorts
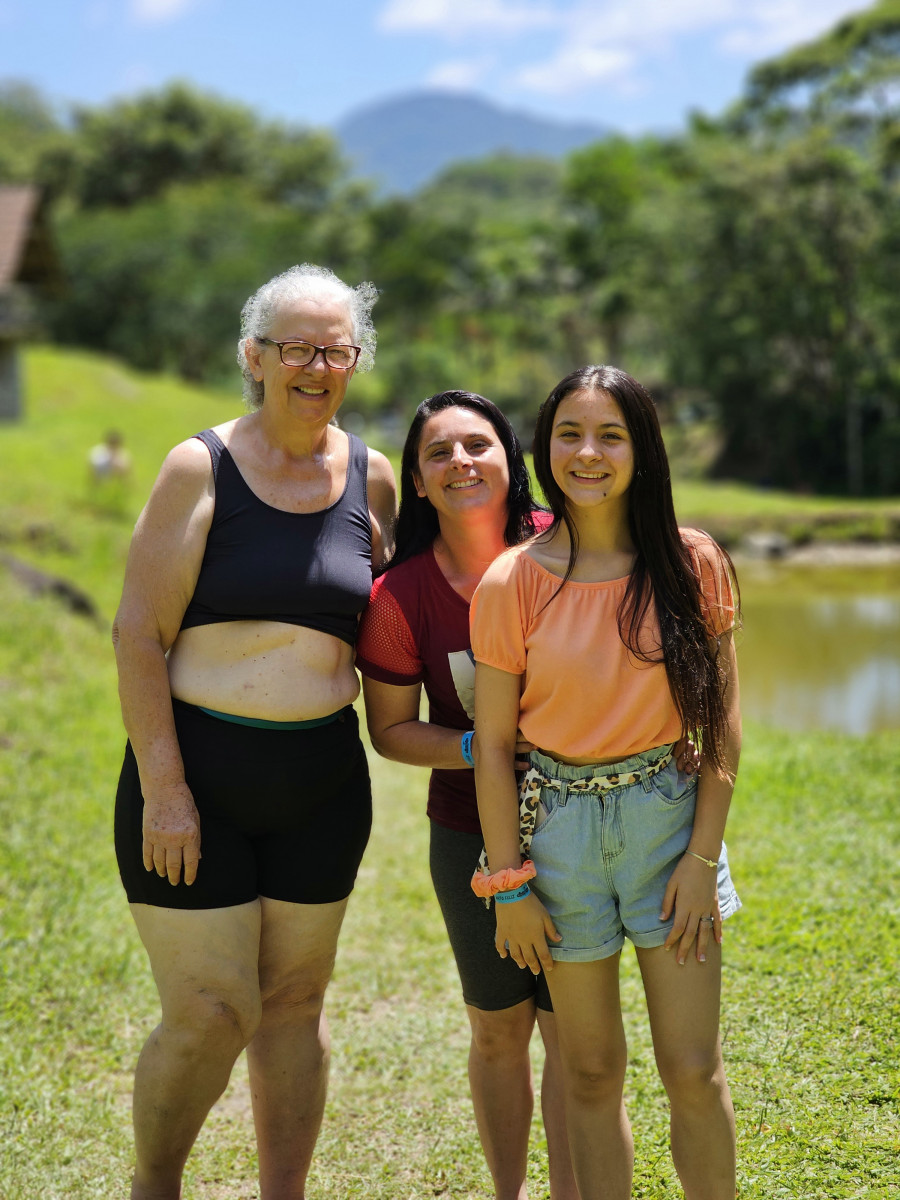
column 488, row 981
column 284, row 813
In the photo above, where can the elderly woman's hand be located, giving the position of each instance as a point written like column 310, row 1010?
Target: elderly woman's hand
column 172, row 834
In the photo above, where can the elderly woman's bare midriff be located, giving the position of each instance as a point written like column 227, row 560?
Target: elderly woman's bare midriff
column 263, row 669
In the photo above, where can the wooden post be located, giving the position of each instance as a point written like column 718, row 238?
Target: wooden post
column 10, row 387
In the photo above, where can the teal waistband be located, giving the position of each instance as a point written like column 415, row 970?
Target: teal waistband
column 261, row 723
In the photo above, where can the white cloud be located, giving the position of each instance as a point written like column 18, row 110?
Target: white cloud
column 155, row 12
column 456, row 18
column 777, row 24
column 577, row 67
column 460, row 74
column 611, row 43
column 605, row 42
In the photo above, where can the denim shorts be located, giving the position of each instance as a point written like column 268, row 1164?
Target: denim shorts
column 604, row 858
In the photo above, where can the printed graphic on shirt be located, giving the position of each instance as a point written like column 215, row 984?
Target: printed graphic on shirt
column 462, row 668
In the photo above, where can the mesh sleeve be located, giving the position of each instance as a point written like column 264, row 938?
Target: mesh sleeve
column 386, row 649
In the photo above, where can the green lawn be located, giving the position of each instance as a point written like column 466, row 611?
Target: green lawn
column 811, row 1008
column 811, row 1013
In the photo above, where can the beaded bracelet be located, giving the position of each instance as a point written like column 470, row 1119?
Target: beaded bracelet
column 465, row 747
column 507, row 880
column 511, row 897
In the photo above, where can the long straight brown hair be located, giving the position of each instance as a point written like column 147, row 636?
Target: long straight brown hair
column 663, row 574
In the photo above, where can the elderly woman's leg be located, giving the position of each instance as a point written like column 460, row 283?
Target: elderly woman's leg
column 289, row 1053
column 204, row 962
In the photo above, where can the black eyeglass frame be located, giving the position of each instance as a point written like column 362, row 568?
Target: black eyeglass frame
column 323, row 350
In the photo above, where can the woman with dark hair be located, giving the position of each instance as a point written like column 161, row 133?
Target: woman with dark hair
column 604, row 640
column 465, row 497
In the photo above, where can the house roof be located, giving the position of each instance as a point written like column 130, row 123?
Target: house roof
column 27, row 254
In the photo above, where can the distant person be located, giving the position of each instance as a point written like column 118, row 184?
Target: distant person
column 109, row 459
column 602, row 641
column 109, row 471
column 244, row 804
column 465, row 496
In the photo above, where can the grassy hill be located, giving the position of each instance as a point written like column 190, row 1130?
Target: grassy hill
column 48, row 514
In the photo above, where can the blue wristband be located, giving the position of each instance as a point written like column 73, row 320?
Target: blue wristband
column 511, row 897
column 465, row 747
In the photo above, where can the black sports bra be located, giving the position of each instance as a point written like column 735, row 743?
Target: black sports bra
column 261, row 563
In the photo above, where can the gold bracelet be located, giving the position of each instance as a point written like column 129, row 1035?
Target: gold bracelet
column 710, row 862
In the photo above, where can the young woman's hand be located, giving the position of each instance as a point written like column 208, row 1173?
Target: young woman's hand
column 523, row 930
column 693, row 896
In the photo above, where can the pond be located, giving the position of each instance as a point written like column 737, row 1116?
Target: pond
column 820, row 647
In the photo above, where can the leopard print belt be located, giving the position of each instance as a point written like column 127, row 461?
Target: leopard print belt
column 535, row 780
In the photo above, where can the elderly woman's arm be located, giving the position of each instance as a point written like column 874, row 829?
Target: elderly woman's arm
column 163, row 565
column 382, row 488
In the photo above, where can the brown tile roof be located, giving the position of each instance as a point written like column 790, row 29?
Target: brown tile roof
column 27, row 254
column 17, row 205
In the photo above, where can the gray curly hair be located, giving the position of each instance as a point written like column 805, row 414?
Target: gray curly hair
column 305, row 282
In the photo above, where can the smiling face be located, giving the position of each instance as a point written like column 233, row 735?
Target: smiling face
column 591, row 452
column 314, row 392
column 462, row 465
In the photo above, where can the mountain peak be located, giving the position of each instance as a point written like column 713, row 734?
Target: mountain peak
column 403, row 141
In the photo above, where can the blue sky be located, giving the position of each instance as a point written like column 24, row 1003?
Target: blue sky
column 632, row 64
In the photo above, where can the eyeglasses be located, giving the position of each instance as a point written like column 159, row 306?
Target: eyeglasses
column 301, row 354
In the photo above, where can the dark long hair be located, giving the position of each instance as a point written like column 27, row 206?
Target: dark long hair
column 417, row 523
column 663, row 573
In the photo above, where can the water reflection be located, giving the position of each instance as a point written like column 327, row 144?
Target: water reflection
column 820, row 647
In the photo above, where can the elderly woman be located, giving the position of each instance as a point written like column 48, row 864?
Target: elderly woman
column 244, row 805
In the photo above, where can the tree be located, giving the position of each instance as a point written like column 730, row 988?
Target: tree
column 618, row 192
column 134, row 149
column 848, row 79
column 778, row 311
column 161, row 284
column 29, row 131
column 856, row 63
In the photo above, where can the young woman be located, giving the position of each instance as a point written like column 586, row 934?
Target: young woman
column 605, row 639
column 465, row 497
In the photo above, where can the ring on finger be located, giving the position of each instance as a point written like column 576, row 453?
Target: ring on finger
column 709, row 920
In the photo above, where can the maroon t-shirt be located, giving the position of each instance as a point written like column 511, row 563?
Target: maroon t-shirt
column 416, row 630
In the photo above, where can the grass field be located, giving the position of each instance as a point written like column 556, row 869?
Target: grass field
column 811, row 1013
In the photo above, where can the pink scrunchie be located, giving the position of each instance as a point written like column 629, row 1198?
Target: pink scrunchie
column 507, row 880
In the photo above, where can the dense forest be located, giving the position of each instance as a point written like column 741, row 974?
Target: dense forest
column 746, row 269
